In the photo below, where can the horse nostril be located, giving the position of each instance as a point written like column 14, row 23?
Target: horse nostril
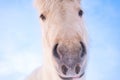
column 55, row 53
column 83, row 49
column 77, row 69
column 64, row 69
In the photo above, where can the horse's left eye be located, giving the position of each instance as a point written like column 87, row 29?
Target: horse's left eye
column 42, row 16
column 80, row 13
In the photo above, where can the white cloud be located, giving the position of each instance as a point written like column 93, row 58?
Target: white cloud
column 23, row 63
column 4, row 69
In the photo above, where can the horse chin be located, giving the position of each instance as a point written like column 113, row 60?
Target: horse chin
column 63, row 77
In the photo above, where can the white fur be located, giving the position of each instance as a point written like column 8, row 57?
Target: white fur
column 55, row 30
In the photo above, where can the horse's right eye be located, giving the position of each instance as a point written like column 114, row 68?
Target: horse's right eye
column 42, row 17
column 80, row 13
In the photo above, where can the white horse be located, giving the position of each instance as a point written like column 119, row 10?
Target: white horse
column 64, row 40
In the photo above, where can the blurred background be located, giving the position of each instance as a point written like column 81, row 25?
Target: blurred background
column 21, row 45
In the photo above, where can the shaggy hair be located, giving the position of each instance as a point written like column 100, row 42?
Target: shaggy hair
column 61, row 24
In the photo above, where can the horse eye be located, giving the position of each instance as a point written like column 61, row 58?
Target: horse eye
column 42, row 17
column 80, row 13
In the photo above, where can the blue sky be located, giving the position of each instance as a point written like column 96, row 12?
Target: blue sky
column 21, row 46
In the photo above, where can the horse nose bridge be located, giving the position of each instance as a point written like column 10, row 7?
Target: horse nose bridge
column 70, row 55
column 67, row 36
column 69, row 48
